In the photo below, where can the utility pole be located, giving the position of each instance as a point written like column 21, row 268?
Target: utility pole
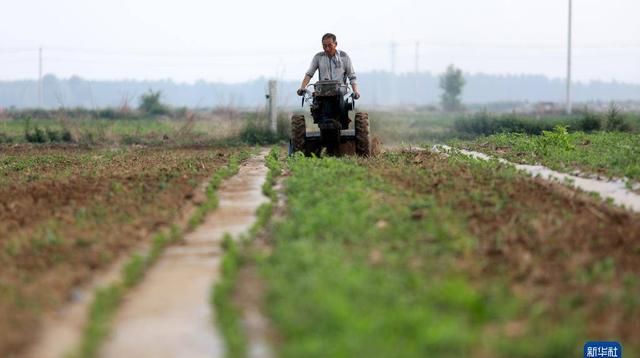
column 392, row 95
column 40, row 77
column 393, row 57
column 569, row 59
column 272, row 103
column 416, row 71
column 417, row 64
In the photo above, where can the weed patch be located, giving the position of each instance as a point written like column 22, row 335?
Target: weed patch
column 415, row 254
column 346, row 277
column 610, row 154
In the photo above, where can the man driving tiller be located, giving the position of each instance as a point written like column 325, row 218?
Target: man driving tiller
column 332, row 64
column 330, row 102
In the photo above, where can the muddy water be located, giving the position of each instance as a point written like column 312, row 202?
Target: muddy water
column 614, row 190
column 169, row 313
column 63, row 329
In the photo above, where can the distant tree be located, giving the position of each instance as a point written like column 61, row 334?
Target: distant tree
column 452, row 83
column 150, row 103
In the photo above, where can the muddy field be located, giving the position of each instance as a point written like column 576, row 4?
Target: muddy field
column 406, row 253
column 66, row 213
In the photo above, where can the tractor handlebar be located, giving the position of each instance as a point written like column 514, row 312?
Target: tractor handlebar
column 307, row 94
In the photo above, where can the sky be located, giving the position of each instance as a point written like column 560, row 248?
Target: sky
column 240, row 40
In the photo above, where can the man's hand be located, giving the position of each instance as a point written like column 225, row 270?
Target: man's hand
column 356, row 90
column 301, row 91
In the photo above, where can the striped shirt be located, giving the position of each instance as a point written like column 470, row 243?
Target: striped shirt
column 338, row 67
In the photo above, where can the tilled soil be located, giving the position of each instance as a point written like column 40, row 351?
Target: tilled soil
column 552, row 244
column 615, row 190
column 67, row 212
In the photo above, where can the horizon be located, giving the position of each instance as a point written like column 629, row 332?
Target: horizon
column 379, row 88
column 265, row 78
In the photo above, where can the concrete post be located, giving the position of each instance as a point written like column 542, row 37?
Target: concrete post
column 273, row 105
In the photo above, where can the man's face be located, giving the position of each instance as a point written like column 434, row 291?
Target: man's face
column 329, row 46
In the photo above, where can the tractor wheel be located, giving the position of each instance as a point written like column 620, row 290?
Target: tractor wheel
column 362, row 134
column 298, row 133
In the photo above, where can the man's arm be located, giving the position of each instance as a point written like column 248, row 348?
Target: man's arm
column 303, row 86
column 351, row 75
column 308, row 75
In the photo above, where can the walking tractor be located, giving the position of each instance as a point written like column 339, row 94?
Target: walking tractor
column 330, row 103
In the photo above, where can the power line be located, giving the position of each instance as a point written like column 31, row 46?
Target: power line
column 266, row 53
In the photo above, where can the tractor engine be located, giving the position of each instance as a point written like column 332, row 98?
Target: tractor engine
column 330, row 104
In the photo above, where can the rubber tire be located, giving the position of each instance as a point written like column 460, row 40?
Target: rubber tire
column 298, row 133
column 363, row 146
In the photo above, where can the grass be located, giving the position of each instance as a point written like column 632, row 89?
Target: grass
column 432, row 128
column 326, row 294
column 412, row 128
column 101, row 131
column 484, row 123
column 610, row 154
column 391, row 127
column 257, row 129
column 227, row 314
column 275, row 169
column 107, row 299
column 416, row 255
